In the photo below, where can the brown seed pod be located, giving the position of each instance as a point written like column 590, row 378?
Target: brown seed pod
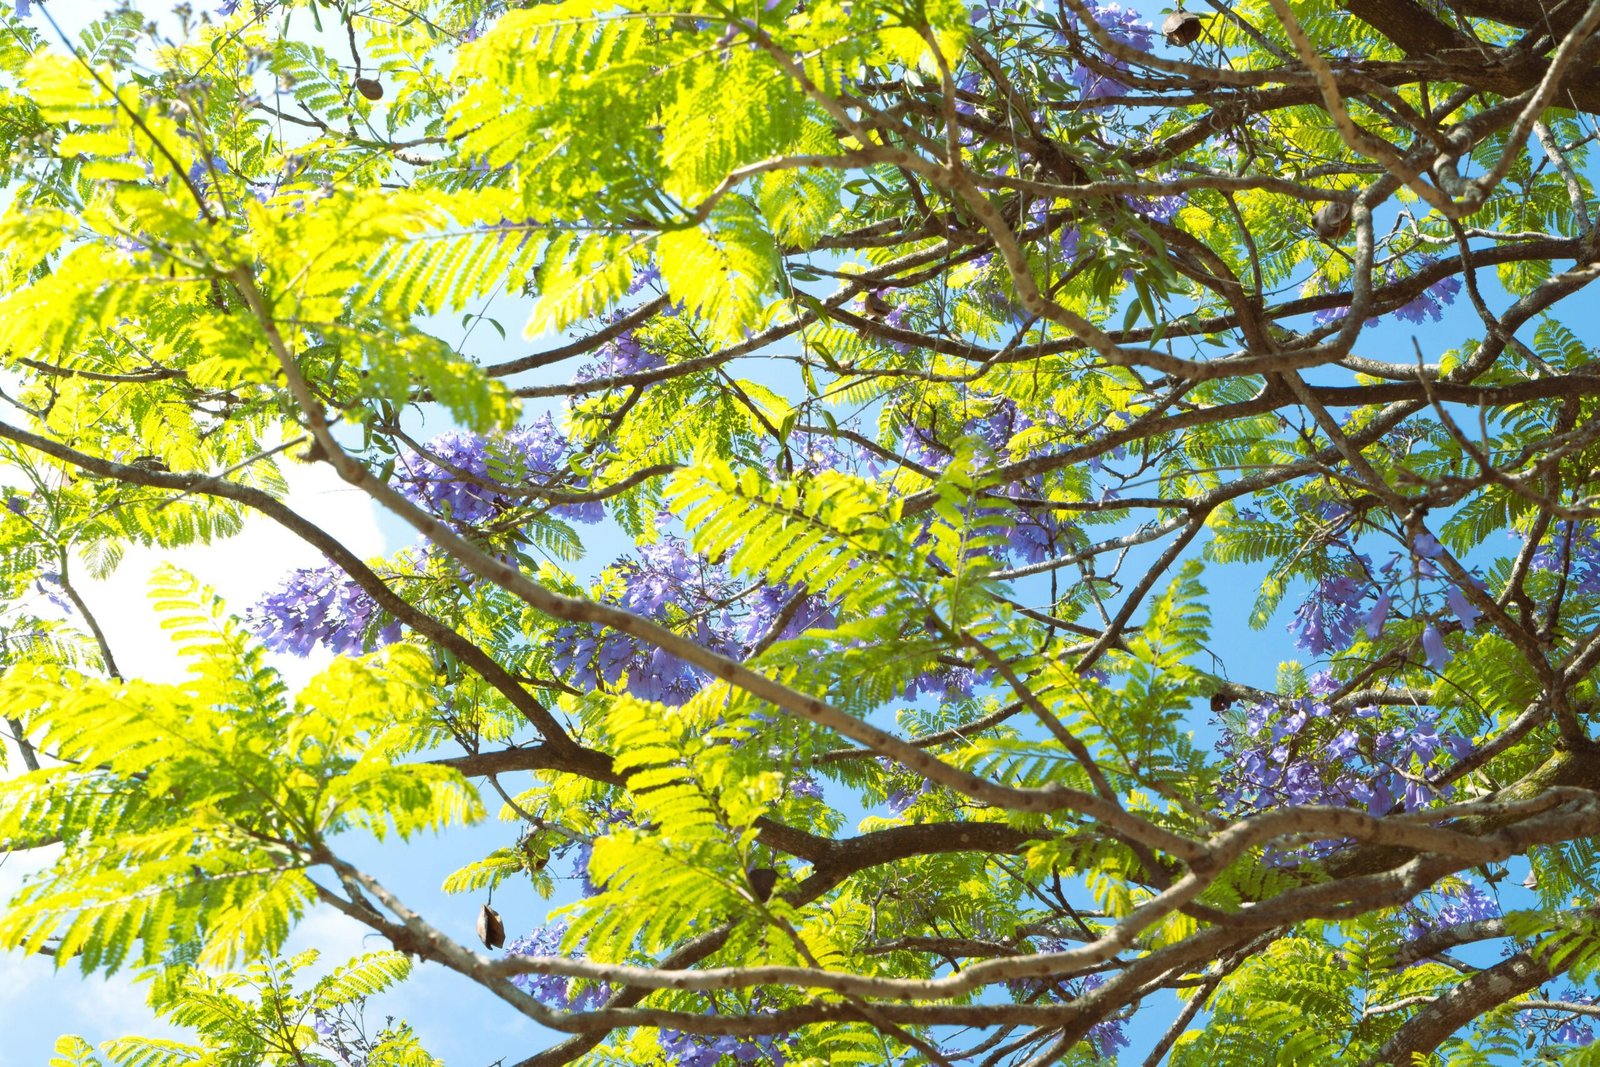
column 1182, row 29
column 1221, row 702
column 491, row 931
column 874, row 306
column 1332, row 220
column 369, row 88
column 762, row 879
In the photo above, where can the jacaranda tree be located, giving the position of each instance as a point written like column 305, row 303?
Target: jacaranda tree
column 936, row 361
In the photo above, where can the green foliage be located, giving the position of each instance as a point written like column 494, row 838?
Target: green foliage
column 187, row 813
column 919, row 354
column 257, row 1016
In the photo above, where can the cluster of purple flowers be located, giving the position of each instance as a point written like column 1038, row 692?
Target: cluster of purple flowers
column 623, row 354
column 818, row 452
column 1293, row 753
column 202, row 171
column 688, row 1050
column 465, row 479
column 666, row 582
column 1336, row 605
column 704, row 1050
column 1107, row 1037
column 340, row 1036
column 1123, row 26
column 1034, row 533
column 1069, row 243
column 1162, row 208
column 1428, row 304
column 901, row 799
column 472, row 478
column 555, row 990
column 1326, row 620
column 946, row 682
column 1562, row 1028
column 320, row 606
column 1451, row 906
column 1431, row 302
column 1572, row 549
column 967, row 83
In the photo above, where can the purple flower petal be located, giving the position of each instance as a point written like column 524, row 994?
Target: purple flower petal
column 1463, row 609
column 1426, row 545
column 1433, row 647
column 1375, row 618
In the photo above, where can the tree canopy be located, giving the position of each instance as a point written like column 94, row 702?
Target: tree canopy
column 821, row 588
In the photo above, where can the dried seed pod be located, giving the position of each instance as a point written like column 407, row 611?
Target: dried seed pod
column 1332, row 220
column 874, row 306
column 1182, row 29
column 761, row 879
column 491, row 931
column 369, row 88
column 1221, row 702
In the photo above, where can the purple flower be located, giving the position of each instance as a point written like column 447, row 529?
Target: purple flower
column 1107, row 1037
column 768, row 603
column 1451, row 906
column 1575, row 1031
column 1467, row 903
column 706, row 1050
column 820, row 452
column 1426, row 546
column 201, row 170
column 1282, row 754
column 23, row 8
column 1163, row 208
column 967, row 83
column 1126, row 28
column 623, row 354
column 1328, row 316
column 320, row 606
column 1375, row 618
column 1069, row 243
column 477, row 478
column 1576, row 551
column 1433, row 647
column 1327, row 619
column 1462, row 607
column 1342, row 746
column 667, row 583
column 1430, row 303
column 554, row 990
